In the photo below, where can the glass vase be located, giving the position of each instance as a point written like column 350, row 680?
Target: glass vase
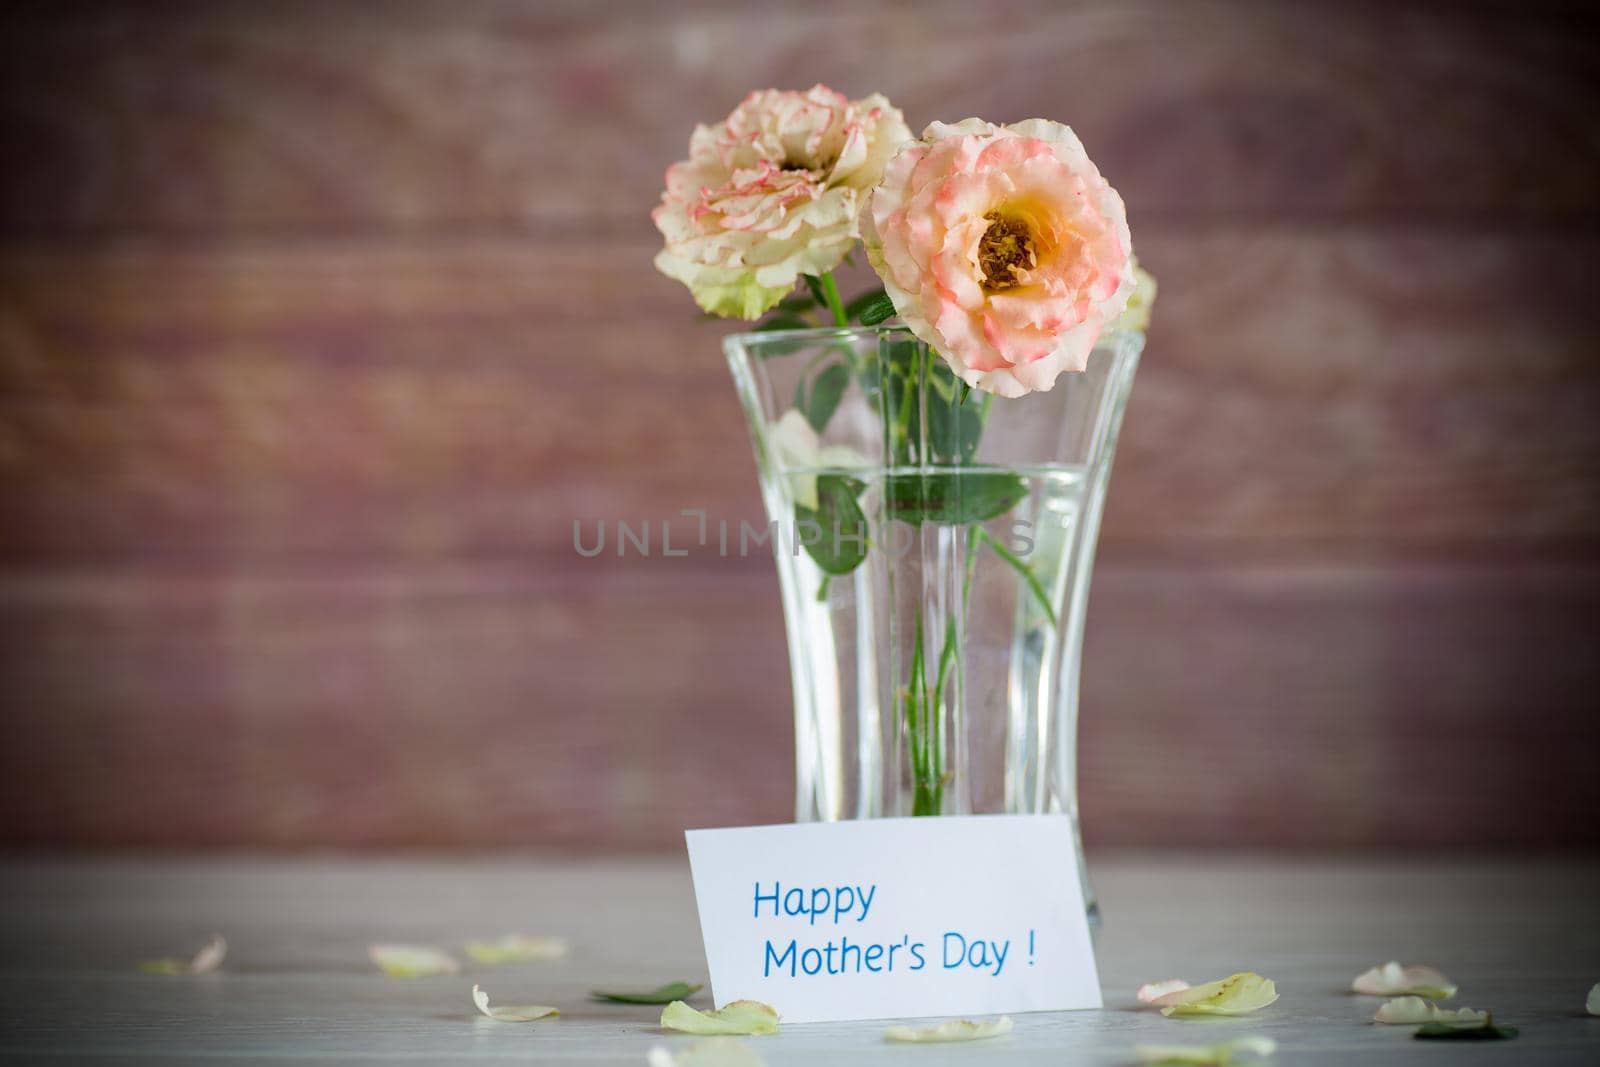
column 934, row 546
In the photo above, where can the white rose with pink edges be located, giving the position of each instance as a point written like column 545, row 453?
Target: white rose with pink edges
column 1003, row 248
column 774, row 192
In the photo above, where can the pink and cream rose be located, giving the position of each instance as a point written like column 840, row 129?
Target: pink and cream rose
column 774, row 192
column 1003, row 248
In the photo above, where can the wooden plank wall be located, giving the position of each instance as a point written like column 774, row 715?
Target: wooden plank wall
column 320, row 323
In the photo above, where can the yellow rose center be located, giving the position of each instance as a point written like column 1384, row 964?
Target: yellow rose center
column 1005, row 248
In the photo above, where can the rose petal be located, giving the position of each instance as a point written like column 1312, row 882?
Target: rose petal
column 1592, row 1005
column 740, row 1017
column 1218, row 1055
column 207, row 959
column 412, row 961
column 1412, row 1011
column 1393, row 980
column 1237, row 994
column 516, row 1013
column 799, row 454
column 773, row 193
column 1137, row 314
column 951, row 1030
column 210, row 957
column 165, row 965
column 718, row 1052
column 796, row 448
column 1150, row 992
column 1484, row 1031
column 516, row 948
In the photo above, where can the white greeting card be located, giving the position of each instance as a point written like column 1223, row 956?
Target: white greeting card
column 896, row 918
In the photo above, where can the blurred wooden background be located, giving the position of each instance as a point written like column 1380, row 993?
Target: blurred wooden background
column 320, row 323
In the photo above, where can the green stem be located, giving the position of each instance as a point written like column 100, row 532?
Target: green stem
column 925, row 723
column 901, row 449
column 947, row 656
column 1022, row 569
column 972, row 562
column 916, row 719
column 830, row 289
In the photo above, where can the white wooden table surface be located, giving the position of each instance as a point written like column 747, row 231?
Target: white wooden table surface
column 1521, row 937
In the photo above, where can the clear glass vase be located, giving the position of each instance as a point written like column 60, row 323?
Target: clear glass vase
column 934, row 547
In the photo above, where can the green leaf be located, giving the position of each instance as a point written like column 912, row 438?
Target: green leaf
column 869, row 376
column 875, row 311
column 783, row 322
column 818, row 293
column 664, row 995
column 943, row 380
column 863, row 301
column 826, row 392
column 952, row 497
column 795, row 303
column 837, row 508
column 1485, row 1031
column 954, row 430
column 1019, row 565
column 902, row 358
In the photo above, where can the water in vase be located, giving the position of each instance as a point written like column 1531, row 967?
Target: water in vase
column 925, row 679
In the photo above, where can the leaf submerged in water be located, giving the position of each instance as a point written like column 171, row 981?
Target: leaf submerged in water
column 954, row 497
column 836, row 530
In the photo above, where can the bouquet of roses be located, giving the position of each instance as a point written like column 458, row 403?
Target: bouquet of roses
column 1001, row 249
